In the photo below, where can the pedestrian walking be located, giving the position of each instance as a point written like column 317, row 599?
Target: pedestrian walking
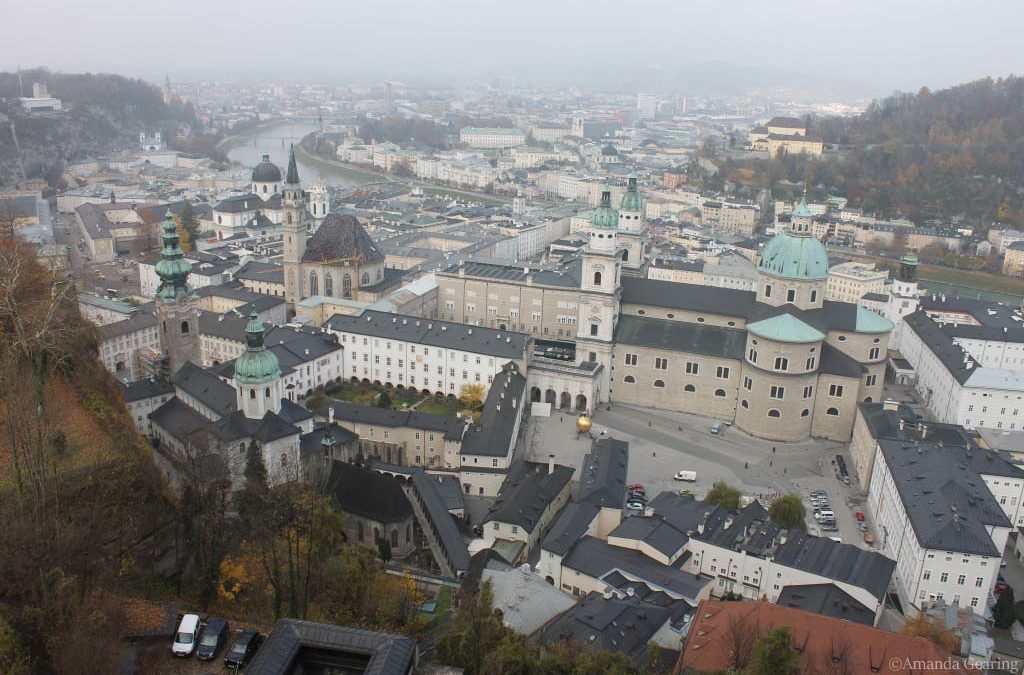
column 773, row 449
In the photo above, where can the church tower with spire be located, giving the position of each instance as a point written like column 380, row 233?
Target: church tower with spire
column 175, row 302
column 293, row 226
column 632, row 228
column 257, row 375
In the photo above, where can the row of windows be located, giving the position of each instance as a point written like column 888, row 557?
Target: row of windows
column 790, row 294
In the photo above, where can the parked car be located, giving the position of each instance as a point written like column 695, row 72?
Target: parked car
column 845, row 479
column 187, row 636
column 716, row 428
column 690, row 476
column 635, row 506
column 242, row 649
column 825, row 514
column 635, row 486
column 859, row 516
column 214, row 636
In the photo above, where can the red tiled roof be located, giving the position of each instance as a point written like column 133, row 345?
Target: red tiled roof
column 821, row 639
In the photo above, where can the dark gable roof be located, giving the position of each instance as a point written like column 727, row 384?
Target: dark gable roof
column 597, row 558
column 656, row 532
column 260, row 271
column 492, row 435
column 269, row 428
column 957, row 361
column 387, row 654
column 568, row 273
column 526, row 492
column 602, row 479
column 451, row 427
column 502, row 344
column 884, row 423
column 239, row 204
column 180, row 421
column 679, row 336
column 999, row 322
column 434, row 503
column 788, row 122
column 143, row 389
column 944, row 495
column 207, row 388
column 571, row 524
column 692, row 297
column 366, row 493
column 684, row 511
column 835, row 362
column 341, row 237
column 840, row 562
column 827, row 600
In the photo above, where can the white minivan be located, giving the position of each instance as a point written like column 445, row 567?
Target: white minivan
column 187, row 637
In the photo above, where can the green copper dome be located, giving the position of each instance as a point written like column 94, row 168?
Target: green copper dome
column 172, row 268
column 632, row 201
column 257, row 364
column 795, row 255
column 605, row 217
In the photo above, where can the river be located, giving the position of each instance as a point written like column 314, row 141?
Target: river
column 274, row 139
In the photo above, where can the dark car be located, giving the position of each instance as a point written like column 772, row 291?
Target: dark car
column 214, row 636
column 243, row 648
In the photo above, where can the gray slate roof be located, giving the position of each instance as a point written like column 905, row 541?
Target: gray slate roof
column 436, row 508
column 597, row 558
column 571, row 524
column 203, row 385
column 827, row 600
column 840, row 562
column 693, row 297
column 490, row 341
column 143, row 389
column 526, row 492
column 366, row 493
column 602, row 479
column 491, row 435
column 942, row 490
column 451, row 427
column 654, row 531
column 692, row 338
column 341, row 237
column 283, row 651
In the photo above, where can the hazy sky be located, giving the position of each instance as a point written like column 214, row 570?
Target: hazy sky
column 880, row 43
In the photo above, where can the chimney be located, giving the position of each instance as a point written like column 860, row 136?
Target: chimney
column 330, row 415
column 551, row 464
column 903, row 424
column 924, row 431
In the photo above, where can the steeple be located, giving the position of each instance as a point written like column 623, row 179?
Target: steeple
column 257, row 374
column 172, row 268
column 292, row 179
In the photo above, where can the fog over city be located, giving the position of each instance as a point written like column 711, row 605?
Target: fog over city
column 864, row 48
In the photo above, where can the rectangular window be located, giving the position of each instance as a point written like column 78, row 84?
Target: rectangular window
column 873, row 354
column 692, row 368
column 593, row 329
column 944, row 577
column 810, row 364
column 722, row 372
column 777, row 392
column 661, row 364
column 835, row 390
column 927, row 575
column 752, row 356
column 791, row 295
column 781, row 363
column 870, row 380
column 768, row 291
column 808, row 391
column 748, row 383
column 961, row 579
column 631, row 359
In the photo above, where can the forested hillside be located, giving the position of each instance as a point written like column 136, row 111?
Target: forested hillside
column 930, row 155
column 104, row 113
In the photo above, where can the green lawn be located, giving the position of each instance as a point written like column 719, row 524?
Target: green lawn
column 367, row 394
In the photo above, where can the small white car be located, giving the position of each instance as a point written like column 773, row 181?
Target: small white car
column 824, row 514
column 690, row 476
column 187, row 637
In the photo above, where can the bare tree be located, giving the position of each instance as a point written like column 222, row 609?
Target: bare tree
column 741, row 635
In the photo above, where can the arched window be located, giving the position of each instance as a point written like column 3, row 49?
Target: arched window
column 867, row 399
column 266, row 392
column 379, row 275
column 690, row 388
column 252, row 394
column 314, row 286
column 597, row 278
column 184, row 327
column 264, row 189
column 408, row 533
column 774, row 413
column 376, row 534
column 629, row 378
column 365, row 279
column 361, row 533
column 720, row 393
column 346, row 286
column 659, row 383
column 744, row 404
column 284, row 459
column 394, row 538
column 625, row 255
column 832, row 411
column 328, row 284
column 805, row 412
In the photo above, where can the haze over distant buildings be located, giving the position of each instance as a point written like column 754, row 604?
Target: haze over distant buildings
column 867, row 49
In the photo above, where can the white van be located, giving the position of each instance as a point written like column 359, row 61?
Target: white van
column 187, row 637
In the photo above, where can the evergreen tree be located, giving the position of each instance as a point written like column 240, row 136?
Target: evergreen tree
column 253, row 499
column 1002, row 612
column 773, row 654
column 189, row 220
column 384, row 400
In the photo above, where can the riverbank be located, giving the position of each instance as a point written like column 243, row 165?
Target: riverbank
column 379, row 176
column 229, row 142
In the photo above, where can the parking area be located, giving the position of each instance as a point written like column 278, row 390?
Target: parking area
column 663, row 443
column 154, row 656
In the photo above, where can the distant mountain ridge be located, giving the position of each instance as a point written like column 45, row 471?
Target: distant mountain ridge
column 103, row 114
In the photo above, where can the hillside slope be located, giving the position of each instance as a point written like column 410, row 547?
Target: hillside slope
column 104, row 114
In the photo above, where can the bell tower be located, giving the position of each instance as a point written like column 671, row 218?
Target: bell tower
column 631, row 227
column 175, row 303
column 293, row 227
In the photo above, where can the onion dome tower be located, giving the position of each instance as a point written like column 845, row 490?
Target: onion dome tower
column 257, row 374
column 179, row 319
